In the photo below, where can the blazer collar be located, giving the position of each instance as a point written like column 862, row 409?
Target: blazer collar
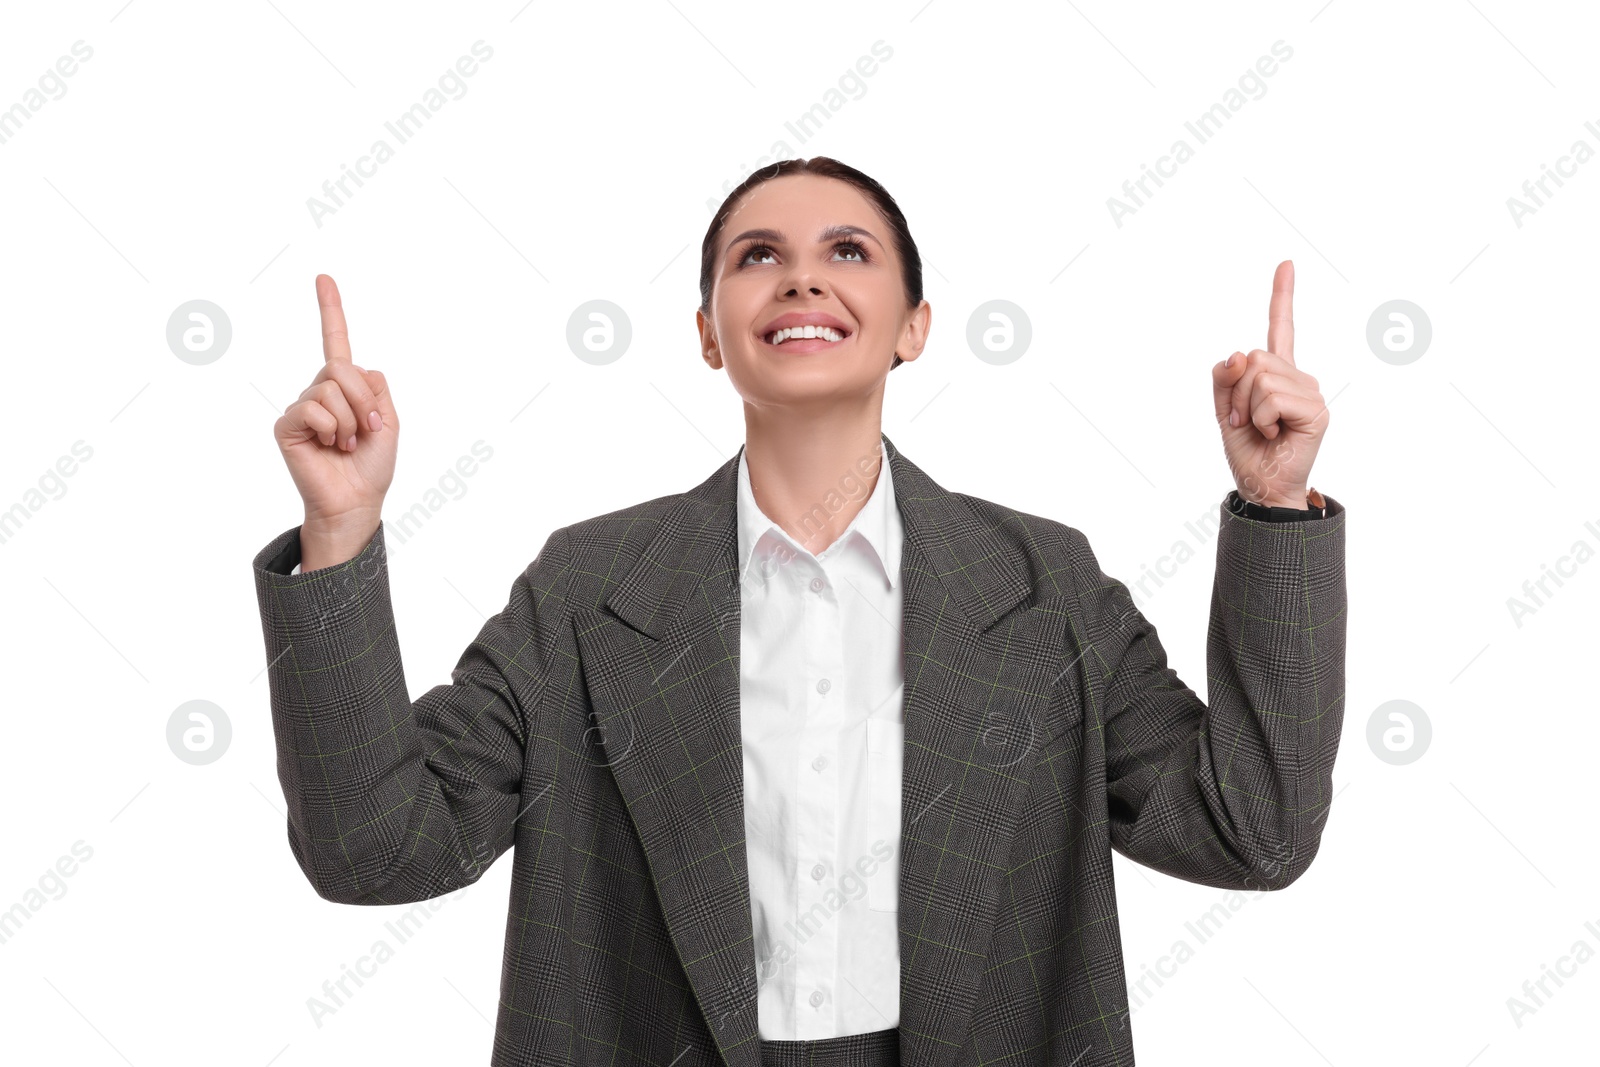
column 872, row 522
column 660, row 657
column 694, row 555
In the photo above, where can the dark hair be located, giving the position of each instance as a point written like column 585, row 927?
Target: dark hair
column 826, row 167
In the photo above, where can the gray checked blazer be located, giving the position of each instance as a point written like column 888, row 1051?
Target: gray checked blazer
column 594, row 725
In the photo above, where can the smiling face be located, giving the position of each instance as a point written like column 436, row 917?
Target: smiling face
column 808, row 251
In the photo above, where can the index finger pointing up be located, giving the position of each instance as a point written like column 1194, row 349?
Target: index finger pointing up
column 335, row 337
column 1280, row 313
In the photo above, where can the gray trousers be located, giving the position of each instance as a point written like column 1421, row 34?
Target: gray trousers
column 880, row 1048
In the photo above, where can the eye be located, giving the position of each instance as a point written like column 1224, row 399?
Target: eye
column 860, row 250
column 748, row 252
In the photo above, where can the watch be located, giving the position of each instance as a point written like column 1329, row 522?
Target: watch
column 1263, row 513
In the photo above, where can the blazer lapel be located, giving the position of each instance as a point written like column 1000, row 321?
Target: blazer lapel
column 661, row 661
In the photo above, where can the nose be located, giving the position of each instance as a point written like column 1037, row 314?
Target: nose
column 802, row 276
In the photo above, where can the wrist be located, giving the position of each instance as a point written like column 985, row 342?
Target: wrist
column 328, row 542
column 341, row 525
column 1275, row 509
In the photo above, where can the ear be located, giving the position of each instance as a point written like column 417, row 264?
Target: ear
column 915, row 336
column 708, row 340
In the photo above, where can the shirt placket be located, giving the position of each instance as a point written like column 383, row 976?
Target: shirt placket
column 822, row 650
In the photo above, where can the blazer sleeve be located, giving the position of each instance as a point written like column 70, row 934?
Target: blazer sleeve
column 1233, row 793
column 393, row 801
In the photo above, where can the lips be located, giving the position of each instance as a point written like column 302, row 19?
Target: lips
column 802, row 345
column 804, row 318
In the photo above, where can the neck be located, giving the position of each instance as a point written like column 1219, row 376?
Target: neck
column 813, row 474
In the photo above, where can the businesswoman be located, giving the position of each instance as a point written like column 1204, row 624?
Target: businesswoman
column 816, row 762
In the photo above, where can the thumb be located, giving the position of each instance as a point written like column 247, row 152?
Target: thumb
column 1223, row 379
column 380, row 395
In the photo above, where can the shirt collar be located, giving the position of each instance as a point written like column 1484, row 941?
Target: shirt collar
column 878, row 523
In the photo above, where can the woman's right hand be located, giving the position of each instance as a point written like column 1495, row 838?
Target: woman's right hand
column 339, row 438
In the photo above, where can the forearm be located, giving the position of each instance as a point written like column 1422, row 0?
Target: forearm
column 1232, row 791
column 1275, row 678
column 369, row 776
column 393, row 800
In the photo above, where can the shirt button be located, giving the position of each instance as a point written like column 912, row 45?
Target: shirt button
column 817, row 584
column 816, row 998
column 818, row 871
column 824, row 685
column 820, row 762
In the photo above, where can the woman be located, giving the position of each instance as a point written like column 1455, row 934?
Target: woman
column 818, row 761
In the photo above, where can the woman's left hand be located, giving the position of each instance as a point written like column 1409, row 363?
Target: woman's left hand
column 1280, row 414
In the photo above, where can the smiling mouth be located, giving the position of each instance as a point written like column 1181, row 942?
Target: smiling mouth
column 805, row 339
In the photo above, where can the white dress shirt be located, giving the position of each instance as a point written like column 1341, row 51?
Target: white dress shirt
column 821, row 687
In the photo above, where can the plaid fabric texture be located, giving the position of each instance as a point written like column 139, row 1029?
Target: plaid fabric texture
column 875, row 1048
column 594, row 724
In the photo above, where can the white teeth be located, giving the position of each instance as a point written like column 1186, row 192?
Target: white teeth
column 827, row 333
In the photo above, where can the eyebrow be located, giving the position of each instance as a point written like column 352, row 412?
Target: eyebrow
column 832, row 233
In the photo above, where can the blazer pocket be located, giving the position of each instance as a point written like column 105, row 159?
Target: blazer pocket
column 885, row 742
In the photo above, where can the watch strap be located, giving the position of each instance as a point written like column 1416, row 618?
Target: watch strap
column 1264, row 513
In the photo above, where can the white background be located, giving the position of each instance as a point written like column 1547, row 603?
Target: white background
column 583, row 162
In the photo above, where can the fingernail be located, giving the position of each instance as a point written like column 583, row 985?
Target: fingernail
column 350, row 445
column 1233, row 418
column 375, row 421
column 1229, row 363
